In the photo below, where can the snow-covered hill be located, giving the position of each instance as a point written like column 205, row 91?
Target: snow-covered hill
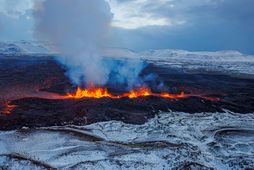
column 226, row 62
column 232, row 62
column 23, row 47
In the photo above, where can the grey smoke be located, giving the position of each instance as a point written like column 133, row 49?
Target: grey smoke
column 78, row 29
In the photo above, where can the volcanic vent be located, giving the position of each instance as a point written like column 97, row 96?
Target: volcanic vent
column 94, row 92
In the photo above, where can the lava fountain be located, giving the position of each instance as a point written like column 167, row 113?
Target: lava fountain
column 94, row 92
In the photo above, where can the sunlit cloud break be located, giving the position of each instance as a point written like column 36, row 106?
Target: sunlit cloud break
column 130, row 15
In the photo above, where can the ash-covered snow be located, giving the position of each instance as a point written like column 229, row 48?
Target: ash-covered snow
column 171, row 140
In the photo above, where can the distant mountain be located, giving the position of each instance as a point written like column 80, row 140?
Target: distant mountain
column 229, row 62
column 21, row 47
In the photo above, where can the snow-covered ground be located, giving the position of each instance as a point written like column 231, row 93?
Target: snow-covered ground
column 23, row 47
column 228, row 62
column 171, row 140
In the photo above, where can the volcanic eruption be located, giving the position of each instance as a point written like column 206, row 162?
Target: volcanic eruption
column 78, row 30
column 93, row 92
column 73, row 100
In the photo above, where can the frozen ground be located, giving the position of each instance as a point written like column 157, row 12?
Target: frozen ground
column 171, row 140
column 228, row 62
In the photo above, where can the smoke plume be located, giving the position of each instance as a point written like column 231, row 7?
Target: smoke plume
column 78, row 30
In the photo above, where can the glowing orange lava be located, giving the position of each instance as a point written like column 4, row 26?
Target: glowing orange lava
column 94, row 92
column 90, row 93
column 8, row 108
column 140, row 92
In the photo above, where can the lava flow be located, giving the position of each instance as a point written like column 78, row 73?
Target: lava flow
column 8, row 108
column 94, row 92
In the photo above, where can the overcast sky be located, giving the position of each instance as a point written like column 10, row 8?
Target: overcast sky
column 195, row 25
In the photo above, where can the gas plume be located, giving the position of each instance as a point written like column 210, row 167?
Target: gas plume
column 78, row 30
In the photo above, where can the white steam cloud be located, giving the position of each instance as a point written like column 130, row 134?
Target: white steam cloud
column 78, row 30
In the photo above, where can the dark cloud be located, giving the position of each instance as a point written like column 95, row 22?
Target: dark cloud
column 192, row 25
column 209, row 25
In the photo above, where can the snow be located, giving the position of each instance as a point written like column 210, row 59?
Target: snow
column 217, row 140
column 24, row 47
column 228, row 62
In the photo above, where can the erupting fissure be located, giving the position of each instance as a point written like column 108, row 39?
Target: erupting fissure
column 94, row 92
column 8, row 107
